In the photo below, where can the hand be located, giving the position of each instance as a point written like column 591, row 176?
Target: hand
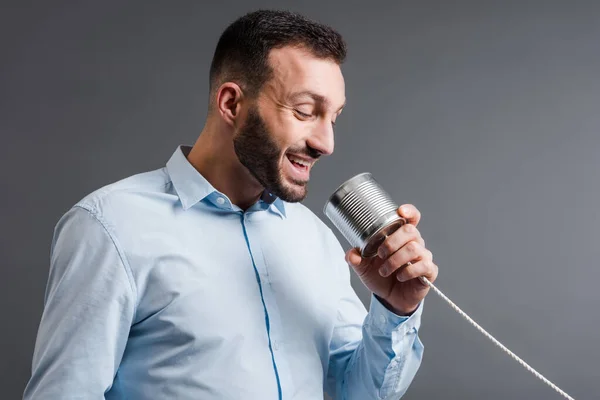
column 388, row 275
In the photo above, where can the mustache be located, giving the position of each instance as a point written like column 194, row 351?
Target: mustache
column 308, row 152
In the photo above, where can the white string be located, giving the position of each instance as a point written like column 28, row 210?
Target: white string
column 493, row 339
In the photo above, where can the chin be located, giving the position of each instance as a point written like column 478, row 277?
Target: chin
column 293, row 192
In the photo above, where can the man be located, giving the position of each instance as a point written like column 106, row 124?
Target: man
column 207, row 279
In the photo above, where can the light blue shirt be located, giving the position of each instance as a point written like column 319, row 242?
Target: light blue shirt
column 161, row 288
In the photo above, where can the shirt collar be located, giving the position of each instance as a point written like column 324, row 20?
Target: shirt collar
column 192, row 187
column 275, row 202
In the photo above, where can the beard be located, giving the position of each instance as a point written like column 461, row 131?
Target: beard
column 258, row 151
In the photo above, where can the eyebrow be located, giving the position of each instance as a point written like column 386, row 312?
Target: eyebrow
column 316, row 97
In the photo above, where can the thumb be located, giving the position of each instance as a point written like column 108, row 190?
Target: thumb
column 354, row 258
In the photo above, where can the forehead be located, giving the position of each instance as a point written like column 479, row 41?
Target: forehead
column 296, row 70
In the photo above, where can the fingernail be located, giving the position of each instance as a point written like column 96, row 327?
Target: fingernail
column 406, row 211
column 381, row 252
column 383, row 271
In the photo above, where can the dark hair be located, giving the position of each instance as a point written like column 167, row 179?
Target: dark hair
column 242, row 52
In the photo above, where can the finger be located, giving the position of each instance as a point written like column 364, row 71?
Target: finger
column 411, row 213
column 411, row 251
column 399, row 238
column 425, row 267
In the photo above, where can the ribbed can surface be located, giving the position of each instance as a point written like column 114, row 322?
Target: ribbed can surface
column 363, row 212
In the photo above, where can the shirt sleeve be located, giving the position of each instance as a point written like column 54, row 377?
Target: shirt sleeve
column 88, row 309
column 373, row 355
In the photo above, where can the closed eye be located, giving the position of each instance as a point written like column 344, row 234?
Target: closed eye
column 303, row 115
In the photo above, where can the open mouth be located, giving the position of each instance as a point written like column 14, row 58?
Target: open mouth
column 300, row 163
column 300, row 167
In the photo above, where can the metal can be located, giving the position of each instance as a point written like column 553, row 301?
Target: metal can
column 363, row 212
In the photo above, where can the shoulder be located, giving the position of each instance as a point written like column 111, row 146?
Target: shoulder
column 127, row 195
column 120, row 204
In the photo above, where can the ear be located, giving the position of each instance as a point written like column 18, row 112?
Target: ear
column 229, row 97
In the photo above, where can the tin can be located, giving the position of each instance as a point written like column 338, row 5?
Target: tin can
column 364, row 213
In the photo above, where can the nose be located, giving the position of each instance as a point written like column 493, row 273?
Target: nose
column 322, row 138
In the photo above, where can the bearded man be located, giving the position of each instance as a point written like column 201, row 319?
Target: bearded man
column 208, row 279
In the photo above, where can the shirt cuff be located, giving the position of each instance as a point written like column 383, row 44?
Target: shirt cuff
column 386, row 321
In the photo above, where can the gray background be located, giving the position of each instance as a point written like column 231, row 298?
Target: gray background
column 483, row 114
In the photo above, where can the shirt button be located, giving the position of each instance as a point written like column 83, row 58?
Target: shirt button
column 221, row 200
column 275, row 345
column 382, row 319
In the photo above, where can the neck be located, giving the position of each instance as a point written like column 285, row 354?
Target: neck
column 214, row 157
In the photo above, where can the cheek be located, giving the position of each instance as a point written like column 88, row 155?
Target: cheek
column 290, row 133
column 297, row 132
column 287, row 132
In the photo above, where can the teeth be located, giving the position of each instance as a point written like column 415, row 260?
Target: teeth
column 299, row 161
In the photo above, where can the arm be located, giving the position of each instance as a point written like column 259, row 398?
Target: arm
column 88, row 309
column 372, row 357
